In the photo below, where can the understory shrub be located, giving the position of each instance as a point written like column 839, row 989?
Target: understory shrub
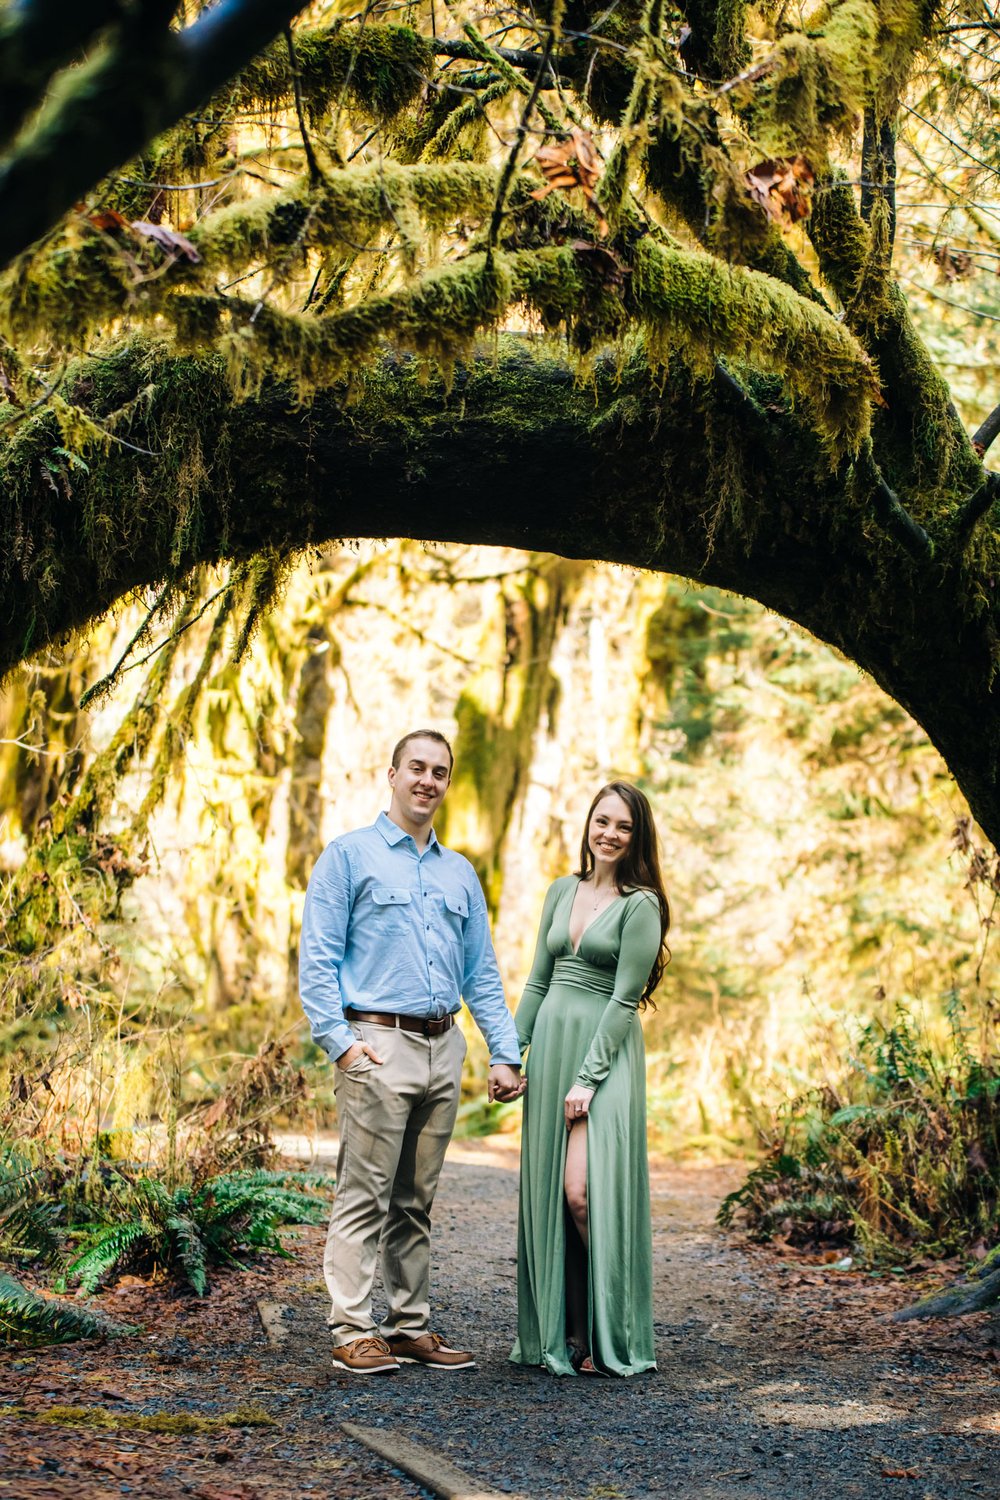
column 901, row 1158
column 145, row 1226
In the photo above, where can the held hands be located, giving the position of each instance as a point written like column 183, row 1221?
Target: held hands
column 505, row 1083
column 359, row 1049
column 577, row 1104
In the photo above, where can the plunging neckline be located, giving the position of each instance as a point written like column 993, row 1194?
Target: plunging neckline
column 613, row 902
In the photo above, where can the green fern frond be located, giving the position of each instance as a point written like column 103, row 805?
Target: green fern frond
column 105, row 1252
column 28, row 1320
column 29, row 1230
column 190, row 1251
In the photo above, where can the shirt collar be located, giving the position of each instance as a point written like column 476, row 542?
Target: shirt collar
column 393, row 834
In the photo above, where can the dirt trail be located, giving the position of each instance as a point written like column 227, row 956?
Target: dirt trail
column 776, row 1380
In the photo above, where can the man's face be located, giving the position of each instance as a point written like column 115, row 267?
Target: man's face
column 419, row 785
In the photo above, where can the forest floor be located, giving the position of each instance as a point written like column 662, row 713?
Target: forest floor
column 778, row 1378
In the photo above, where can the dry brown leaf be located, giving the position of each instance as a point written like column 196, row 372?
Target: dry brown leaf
column 569, row 164
column 781, row 187
column 603, row 262
column 953, row 265
column 168, row 239
column 108, row 218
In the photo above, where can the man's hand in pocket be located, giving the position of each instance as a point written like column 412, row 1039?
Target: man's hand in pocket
column 360, row 1049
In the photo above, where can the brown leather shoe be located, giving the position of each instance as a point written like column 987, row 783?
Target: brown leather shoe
column 366, row 1356
column 429, row 1349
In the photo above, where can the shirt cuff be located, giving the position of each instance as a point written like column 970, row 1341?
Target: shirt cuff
column 336, row 1042
column 505, row 1056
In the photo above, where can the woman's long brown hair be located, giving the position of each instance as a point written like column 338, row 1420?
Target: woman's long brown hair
column 639, row 868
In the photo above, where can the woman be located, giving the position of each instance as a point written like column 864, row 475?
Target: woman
column 584, row 1264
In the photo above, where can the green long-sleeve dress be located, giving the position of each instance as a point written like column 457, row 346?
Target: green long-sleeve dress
column 579, row 1019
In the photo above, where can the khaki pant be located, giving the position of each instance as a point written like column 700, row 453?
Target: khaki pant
column 395, row 1124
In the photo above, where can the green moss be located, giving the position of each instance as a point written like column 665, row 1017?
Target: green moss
column 438, row 317
column 97, row 1417
column 707, row 310
column 379, row 68
column 857, row 53
column 348, row 207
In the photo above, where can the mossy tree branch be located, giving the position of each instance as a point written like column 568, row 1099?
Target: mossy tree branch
column 37, row 38
column 140, row 83
column 622, row 468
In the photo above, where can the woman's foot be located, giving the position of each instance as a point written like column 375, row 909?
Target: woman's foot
column 580, row 1359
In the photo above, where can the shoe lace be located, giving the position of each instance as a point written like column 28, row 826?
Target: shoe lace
column 370, row 1346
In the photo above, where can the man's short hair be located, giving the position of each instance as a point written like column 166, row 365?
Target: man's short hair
column 422, row 734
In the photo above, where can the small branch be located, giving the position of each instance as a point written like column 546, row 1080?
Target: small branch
column 737, row 396
column 113, row 105
column 983, row 437
column 37, row 38
column 967, row 1296
column 975, row 508
column 891, row 513
column 315, row 175
column 516, row 56
column 511, row 164
column 878, row 169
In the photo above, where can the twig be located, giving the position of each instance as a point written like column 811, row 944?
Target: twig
column 315, row 175
column 963, row 150
column 891, row 513
column 510, row 165
column 107, row 681
column 985, row 434
column 975, row 507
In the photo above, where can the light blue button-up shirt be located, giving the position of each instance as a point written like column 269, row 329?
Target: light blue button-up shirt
column 388, row 927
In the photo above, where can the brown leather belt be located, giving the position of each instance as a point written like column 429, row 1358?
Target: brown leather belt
column 405, row 1023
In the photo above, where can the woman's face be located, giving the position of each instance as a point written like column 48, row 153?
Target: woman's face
column 610, row 832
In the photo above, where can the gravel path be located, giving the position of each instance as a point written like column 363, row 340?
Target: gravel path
column 772, row 1382
column 777, row 1380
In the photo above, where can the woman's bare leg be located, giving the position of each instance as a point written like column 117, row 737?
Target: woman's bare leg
column 575, row 1188
column 575, row 1178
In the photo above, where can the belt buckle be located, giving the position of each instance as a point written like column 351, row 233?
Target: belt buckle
column 428, row 1023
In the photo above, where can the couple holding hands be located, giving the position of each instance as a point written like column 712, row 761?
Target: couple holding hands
column 394, row 935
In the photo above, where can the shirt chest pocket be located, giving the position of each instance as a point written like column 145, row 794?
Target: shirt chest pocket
column 391, row 905
column 456, row 909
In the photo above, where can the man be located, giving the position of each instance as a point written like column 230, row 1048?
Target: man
column 394, row 934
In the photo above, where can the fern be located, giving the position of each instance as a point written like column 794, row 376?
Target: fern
column 28, row 1320
column 186, row 1230
column 105, row 1253
column 26, row 1224
column 190, row 1250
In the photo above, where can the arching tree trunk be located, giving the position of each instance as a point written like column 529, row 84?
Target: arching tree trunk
column 517, row 454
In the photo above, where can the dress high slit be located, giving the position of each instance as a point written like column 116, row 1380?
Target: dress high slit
column 578, row 1018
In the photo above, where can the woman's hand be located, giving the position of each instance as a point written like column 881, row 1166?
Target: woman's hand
column 577, row 1103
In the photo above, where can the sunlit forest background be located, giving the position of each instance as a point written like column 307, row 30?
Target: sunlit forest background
column 807, row 827
column 833, row 902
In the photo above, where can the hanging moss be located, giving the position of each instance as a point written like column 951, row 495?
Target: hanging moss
column 856, row 53
column 498, row 716
column 348, row 206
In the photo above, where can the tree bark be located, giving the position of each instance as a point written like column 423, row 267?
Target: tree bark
column 143, row 82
